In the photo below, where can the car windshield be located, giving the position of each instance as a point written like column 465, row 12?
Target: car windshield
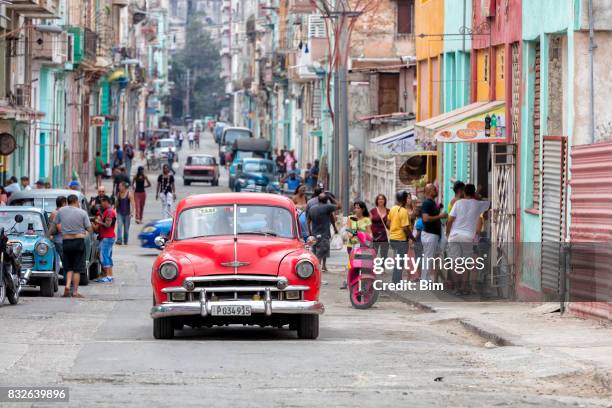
column 200, row 161
column 219, row 220
column 165, row 143
column 32, row 222
column 231, row 135
column 46, row 204
column 257, row 167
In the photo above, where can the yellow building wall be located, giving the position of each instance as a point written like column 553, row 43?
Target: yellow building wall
column 483, row 75
column 428, row 20
column 500, row 75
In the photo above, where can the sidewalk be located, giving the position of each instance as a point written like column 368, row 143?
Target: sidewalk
column 506, row 324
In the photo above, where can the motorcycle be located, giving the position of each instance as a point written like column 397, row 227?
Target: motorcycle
column 11, row 280
column 361, row 277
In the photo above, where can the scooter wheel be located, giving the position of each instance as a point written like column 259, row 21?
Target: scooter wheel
column 365, row 298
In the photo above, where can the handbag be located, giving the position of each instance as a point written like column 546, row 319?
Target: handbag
column 336, row 242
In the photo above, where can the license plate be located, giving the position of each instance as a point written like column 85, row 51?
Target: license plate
column 231, row 311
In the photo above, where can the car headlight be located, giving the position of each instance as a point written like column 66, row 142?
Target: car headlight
column 42, row 249
column 148, row 229
column 16, row 247
column 304, row 269
column 168, row 271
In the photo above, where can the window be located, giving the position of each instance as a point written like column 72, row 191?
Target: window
column 388, row 93
column 405, row 16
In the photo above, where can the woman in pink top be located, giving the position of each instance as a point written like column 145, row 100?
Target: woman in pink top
column 290, row 161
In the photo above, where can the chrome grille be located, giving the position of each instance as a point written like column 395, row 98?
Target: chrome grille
column 27, row 260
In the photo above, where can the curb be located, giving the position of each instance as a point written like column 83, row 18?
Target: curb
column 418, row 305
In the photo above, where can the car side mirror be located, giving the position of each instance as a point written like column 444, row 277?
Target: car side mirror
column 18, row 218
column 160, row 241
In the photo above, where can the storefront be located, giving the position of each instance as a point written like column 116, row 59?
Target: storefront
column 492, row 169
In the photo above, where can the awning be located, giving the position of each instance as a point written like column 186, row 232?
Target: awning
column 480, row 122
column 401, row 142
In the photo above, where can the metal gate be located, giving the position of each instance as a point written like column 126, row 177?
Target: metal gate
column 553, row 210
column 503, row 216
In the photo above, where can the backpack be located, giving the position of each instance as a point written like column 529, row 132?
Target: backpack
column 129, row 152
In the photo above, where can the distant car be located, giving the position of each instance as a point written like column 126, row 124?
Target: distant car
column 44, row 199
column 236, row 259
column 256, row 175
column 218, row 131
column 38, row 253
column 163, row 146
column 153, row 230
column 229, row 137
column 248, row 149
column 201, row 167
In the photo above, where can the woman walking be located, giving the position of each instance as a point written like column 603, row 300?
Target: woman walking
column 359, row 221
column 299, row 197
column 378, row 215
column 140, row 183
column 125, row 211
column 166, row 191
column 99, row 170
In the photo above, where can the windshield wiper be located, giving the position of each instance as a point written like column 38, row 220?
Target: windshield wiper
column 266, row 233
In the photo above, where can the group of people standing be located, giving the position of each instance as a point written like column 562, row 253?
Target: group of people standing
column 286, row 164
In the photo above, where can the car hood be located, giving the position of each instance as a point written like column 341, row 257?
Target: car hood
column 27, row 241
column 258, row 255
column 269, row 176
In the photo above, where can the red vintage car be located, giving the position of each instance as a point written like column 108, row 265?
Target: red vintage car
column 201, row 167
column 236, row 258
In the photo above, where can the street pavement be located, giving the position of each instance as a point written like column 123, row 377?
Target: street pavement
column 394, row 354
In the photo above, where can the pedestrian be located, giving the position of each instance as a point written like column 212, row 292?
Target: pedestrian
column 171, row 157
column 129, row 157
column 314, row 172
column 25, row 183
column 290, row 161
column 196, row 139
column 293, row 181
column 74, row 225
column 280, row 164
column 54, row 233
column 117, row 158
column 432, row 231
column 108, row 172
column 120, row 177
column 40, row 184
column 105, row 222
column 378, row 215
column 74, row 185
column 95, row 203
column 319, row 222
column 12, row 186
column 125, row 211
column 47, row 185
column 142, row 146
column 299, row 197
column 417, row 230
column 459, row 190
column 398, row 225
column 99, row 169
column 166, row 191
column 463, row 228
column 191, row 138
column 181, row 138
column 360, row 221
column 315, row 198
column 140, row 184
column 3, row 196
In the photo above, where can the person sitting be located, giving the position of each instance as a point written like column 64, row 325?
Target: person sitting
column 293, row 181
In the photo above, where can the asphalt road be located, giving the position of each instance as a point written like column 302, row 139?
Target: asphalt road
column 102, row 348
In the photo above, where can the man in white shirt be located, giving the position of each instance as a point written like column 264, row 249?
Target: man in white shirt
column 13, row 185
column 25, row 183
column 191, row 137
column 464, row 224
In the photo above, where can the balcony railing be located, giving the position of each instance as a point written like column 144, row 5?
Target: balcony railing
column 22, row 96
column 35, row 8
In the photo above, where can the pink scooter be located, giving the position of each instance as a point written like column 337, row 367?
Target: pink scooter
column 361, row 277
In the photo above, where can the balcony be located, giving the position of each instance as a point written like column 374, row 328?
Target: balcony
column 22, row 96
column 35, row 8
column 301, row 7
column 84, row 45
column 121, row 3
column 49, row 45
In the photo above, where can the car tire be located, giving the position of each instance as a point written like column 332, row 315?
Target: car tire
column 95, row 270
column 163, row 328
column 46, row 287
column 215, row 183
column 308, row 327
column 186, row 182
column 84, row 279
column 55, row 285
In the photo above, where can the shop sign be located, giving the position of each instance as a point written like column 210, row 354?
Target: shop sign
column 484, row 127
column 98, row 121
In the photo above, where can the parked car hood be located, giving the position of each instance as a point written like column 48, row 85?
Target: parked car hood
column 211, row 256
column 28, row 241
column 268, row 176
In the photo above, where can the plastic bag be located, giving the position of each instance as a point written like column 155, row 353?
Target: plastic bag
column 336, row 242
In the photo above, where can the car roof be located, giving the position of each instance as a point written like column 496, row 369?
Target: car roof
column 236, row 128
column 166, row 139
column 256, row 159
column 236, row 198
column 201, row 155
column 44, row 193
column 21, row 209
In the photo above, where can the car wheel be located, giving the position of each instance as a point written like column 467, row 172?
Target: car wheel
column 55, row 284
column 84, row 279
column 308, row 327
column 95, row 270
column 2, row 289
column 163, row 328
column 46, row 287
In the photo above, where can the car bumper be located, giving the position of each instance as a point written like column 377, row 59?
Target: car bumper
column 148, row 240
column 198, row 178
column 266, row 307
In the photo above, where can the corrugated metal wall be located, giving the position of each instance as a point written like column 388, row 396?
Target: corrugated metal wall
column 591, row 230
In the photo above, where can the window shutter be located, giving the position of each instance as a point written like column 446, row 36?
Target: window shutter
column 404, row 16
column 316, row 26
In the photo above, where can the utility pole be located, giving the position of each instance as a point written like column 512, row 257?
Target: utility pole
column 188, row 94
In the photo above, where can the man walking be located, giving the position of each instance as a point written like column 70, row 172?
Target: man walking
column 120, row 177
column 319, row 223
column 432, row 231
column 398, row 223
column 105, row 222
column 117, row 157
column 464, row 223
column 73, row 223
column 56, row 236
column 166, row 191
column 128, row 150
column 125, row 212
column 191, row 138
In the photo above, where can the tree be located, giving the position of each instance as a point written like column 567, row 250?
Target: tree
column 200, row 64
